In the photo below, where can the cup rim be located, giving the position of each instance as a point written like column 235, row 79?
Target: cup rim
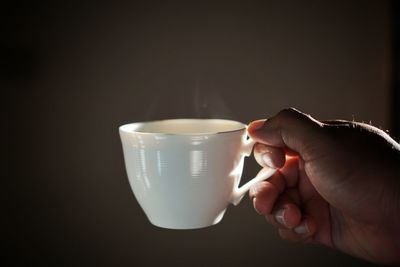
column 131, row 127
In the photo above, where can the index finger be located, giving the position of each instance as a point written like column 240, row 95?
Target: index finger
column 288, row 129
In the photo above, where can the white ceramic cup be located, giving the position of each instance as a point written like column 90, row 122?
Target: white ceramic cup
column 185, row 172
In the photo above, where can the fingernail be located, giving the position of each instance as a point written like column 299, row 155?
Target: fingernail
column 254, row 205
column 280, row 217
column 302, row 229
column 267, row 159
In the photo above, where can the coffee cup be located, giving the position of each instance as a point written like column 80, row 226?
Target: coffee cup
column 185, row 172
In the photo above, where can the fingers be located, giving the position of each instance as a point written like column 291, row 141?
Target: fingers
column 265, row 194
column 278, row 199
column 268, row 156
column 286, row 215
column 280, row 210
column 288, row 175
column 278, row 195
column 303, row 232
column 289, row 133
column 291, row 223
column 288, row 129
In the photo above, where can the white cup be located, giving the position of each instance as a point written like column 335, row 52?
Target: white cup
column 185, row 172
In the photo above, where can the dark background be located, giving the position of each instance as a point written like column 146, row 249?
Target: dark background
column 72, row 72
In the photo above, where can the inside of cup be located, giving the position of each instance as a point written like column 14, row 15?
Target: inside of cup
column 185, row 126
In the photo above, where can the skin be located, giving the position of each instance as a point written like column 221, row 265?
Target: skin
column 337, row 184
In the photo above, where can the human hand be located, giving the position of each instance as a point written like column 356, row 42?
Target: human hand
column 338, row 184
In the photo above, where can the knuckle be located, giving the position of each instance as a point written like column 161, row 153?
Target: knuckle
column 289, row 113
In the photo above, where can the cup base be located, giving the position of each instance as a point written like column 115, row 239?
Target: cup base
column 183, row 226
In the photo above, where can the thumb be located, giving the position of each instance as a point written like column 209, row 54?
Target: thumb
column 291, row 129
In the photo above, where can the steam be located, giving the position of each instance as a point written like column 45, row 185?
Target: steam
column 210, row 103
column 152, row 109
column 202, row 100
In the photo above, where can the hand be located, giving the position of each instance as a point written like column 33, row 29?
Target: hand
column 338, row 184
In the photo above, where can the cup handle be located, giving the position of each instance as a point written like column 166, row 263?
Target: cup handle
column 239, row 192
